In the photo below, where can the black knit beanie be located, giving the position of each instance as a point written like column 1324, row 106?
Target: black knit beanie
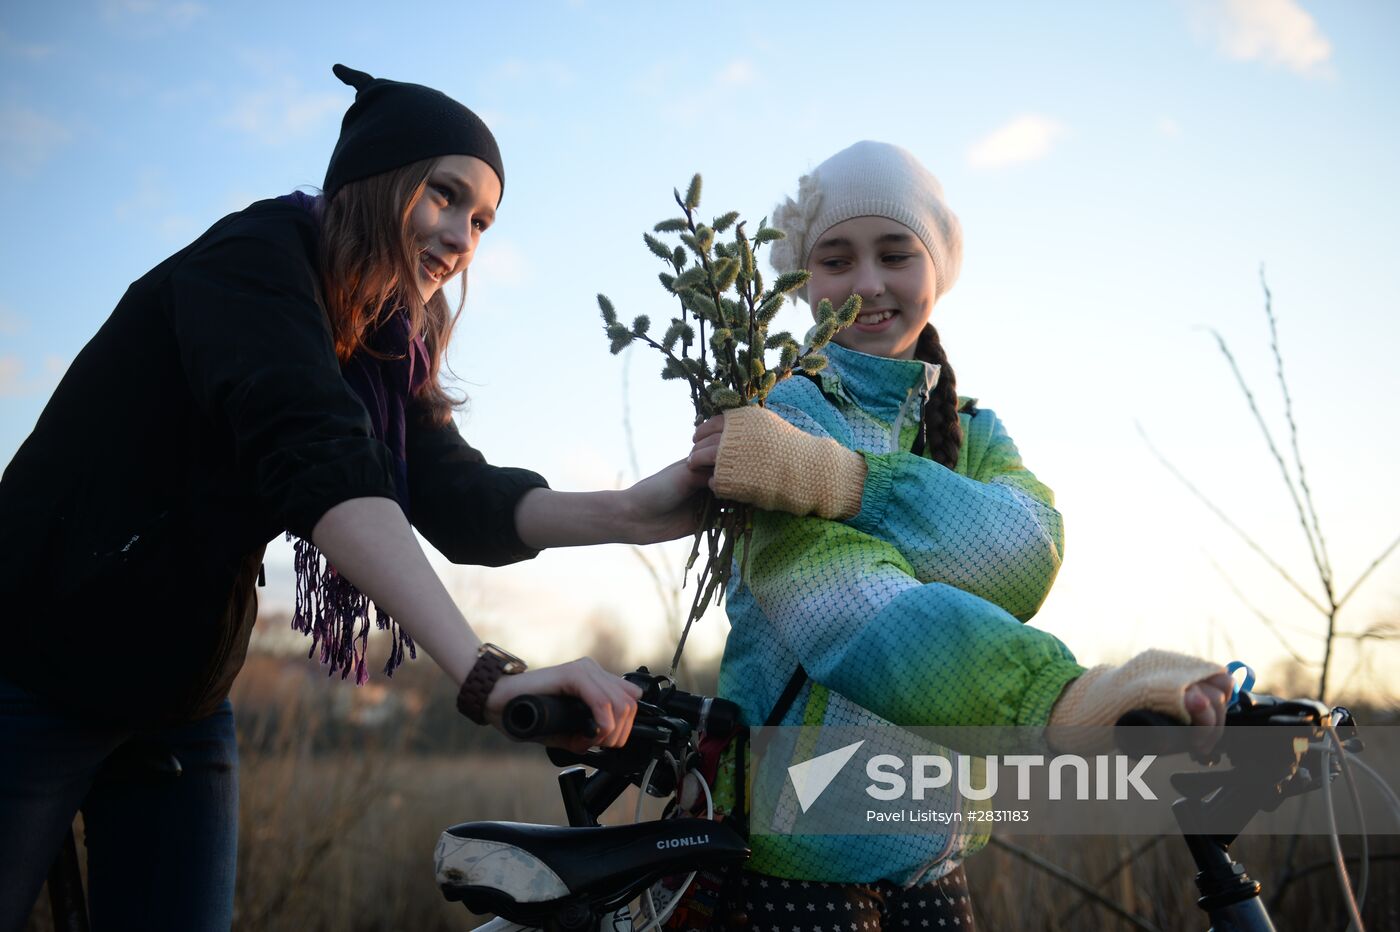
column 392, row 124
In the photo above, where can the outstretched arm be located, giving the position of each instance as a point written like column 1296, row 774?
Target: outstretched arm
column 660, row 507
column 474, row 512
column 370, row 541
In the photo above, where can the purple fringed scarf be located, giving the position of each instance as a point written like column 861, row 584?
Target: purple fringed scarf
column 328, row 606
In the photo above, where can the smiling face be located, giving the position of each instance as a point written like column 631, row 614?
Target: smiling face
column 890, row 268
column 458, row 205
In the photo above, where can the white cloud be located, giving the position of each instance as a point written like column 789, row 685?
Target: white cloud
column 282, row 112
column 10, row 47
column 152, row 15
column 1024, row 139
column 500, row 263
column 11, row 324
column 150, row 196
column 15, row 381
column 237, row 200
column 678, row 98
column 737, row 73
column 28, row 138
column 544, row 70
column 1277, row 32
column 1168, row 127
column 493, row 118
column 656, row 81
column 11, row 375
column 178, row 226
column 153, row 202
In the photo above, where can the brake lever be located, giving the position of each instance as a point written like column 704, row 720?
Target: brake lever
column 649, row 741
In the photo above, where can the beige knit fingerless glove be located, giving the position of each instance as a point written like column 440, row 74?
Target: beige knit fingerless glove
column 1156, row 680
column 765, row 461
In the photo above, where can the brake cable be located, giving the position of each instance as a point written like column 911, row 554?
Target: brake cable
column 1354, row 899
column 675, row 900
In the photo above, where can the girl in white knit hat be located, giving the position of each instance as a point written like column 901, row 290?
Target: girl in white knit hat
column 903, row 546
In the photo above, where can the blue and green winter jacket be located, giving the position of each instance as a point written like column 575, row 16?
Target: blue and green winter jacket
column 909, row 613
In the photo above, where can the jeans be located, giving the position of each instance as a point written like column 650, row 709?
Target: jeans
column 160, row 815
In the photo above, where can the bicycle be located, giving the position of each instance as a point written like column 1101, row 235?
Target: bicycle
column 1308, row 753
column 591, row 884
column 582, row 878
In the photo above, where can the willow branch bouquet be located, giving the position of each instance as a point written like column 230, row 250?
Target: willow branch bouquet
column 718, row 344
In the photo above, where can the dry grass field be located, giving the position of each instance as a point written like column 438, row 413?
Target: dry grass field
column 343, row 798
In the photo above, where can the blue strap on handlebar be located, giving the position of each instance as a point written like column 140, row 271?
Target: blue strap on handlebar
column 1248, row 683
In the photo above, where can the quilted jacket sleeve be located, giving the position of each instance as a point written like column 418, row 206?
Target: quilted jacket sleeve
column 928, row 586
column 853, row 611
column 989, row 528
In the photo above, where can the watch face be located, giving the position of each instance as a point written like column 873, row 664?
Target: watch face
column 510, row 664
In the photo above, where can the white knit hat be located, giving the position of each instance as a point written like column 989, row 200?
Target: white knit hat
column 869, row 179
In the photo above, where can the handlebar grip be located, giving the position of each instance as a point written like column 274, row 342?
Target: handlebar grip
column 721, row 718
column 528, row 717
column 1146, row 717
column 1137, row 741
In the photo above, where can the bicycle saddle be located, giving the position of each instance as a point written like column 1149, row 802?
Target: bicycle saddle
column 527, row 873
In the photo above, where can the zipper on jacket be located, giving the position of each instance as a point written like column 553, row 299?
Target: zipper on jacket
column 915, row 392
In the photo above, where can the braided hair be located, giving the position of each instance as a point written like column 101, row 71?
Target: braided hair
column 940, row 431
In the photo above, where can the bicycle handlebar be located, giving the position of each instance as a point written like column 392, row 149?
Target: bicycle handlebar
column 660, row 705
column 1273, row 758
column 1136, row 734
column 528, row 717
column 1249, row 709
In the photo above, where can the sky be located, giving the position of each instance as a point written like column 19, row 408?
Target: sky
column 1122, row 173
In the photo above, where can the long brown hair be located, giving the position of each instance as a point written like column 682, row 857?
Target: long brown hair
column 941, row 431
column 369, row 261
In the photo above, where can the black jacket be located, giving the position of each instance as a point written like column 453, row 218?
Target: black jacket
column 206, row 416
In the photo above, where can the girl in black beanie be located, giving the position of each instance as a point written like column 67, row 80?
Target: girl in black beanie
column 279, row 374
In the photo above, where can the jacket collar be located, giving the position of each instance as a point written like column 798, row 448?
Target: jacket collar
column 876, row 384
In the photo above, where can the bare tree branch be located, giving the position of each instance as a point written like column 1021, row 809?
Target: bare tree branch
column 1114, row 871
column 1329, row 864
column 627, row 414
column 1059, row 873
column 1374, row 563
column 1265, row 619
column 1326, row 566
column 1215, row 510
column 1229, row 641
column 668, row 588
column 1282, row 466
column 1289, row 873
column 1380, row 632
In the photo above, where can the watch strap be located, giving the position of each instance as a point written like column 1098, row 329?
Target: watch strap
column 471, row 698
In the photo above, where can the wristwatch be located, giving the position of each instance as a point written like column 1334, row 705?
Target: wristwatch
column 492, row 663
